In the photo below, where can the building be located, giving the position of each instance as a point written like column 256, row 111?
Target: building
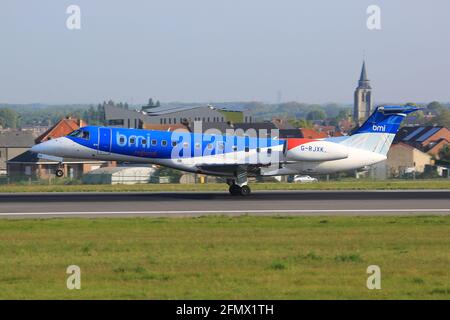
column 61, row 129
column 27, row 165
column 166, row 127
column 13, row 143
column 119, row 175
column 403, row 158
column 171, row 115
column 362, row 107
column 428, row 139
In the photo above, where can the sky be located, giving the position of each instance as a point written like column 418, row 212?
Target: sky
column 222, row 50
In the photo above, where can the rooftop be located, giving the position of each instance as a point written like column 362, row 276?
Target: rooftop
column 18, row 139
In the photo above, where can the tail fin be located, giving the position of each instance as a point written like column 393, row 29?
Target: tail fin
column 379, row 130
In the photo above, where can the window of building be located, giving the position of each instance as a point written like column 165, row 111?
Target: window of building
column 160, row 121
column 128, row 123
column 116, row 122
column 170, row 120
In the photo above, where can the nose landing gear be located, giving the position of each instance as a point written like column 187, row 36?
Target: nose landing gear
column 59, row 171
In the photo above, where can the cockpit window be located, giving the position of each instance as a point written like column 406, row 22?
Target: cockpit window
column 83, row 134
column 75, row 133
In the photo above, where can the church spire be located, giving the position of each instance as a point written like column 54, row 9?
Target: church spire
column 363, row 81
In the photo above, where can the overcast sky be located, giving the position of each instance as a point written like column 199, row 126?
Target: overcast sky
column 222, row 50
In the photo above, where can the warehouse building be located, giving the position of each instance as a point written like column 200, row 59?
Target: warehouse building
column 172, row 115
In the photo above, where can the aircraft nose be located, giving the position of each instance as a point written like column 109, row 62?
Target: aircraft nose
column 50, row 147
column 38, row 148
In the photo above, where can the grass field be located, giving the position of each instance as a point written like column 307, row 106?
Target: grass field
column 227, row 257
column 332, row 185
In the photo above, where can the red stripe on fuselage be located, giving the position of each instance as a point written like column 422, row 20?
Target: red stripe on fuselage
column 295, row 142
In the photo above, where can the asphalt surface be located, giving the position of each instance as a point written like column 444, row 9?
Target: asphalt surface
column 157, row 204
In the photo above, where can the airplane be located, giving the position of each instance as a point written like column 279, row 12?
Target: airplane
column 233, row 157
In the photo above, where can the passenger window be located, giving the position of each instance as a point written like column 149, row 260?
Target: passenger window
column 122, row 140
column 234, row 148
column 247, row 149
column 164, row 143
column 269, row 151
column 197, row 145
column 220, row 146
column 144, row 142
column 153, row 142
column 174, row 143
column 185, row 145
column 132, row 140
column 210, row 146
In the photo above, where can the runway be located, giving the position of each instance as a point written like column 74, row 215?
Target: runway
column 174, row 204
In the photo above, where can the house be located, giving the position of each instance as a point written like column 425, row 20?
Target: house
column 61, row 129
column 428, row 139
column 27, row 165
column 312, row 134
column 13, row 143
column 403, row 157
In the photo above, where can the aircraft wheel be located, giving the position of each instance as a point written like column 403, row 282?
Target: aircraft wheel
column 245, row 190
column 59, row 173
column 234, row 189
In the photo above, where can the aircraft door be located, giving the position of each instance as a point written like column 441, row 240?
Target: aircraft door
column 104, row 140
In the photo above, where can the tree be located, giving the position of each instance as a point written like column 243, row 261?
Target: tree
column 444, row 154
column 443, row 118
column 316, row 115
column 9, row 118
column 300, row 123
column 435, row 106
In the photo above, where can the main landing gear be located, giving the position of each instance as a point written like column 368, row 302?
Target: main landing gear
column 237, row 190
column 238, row 185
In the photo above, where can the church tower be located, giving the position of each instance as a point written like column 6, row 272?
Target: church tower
column 363, row 98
